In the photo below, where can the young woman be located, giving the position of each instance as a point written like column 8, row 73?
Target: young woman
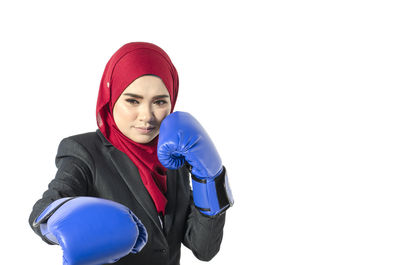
column 122, row 194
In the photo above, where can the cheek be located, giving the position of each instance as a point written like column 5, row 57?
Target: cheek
column 161, row 114
column 122, row 114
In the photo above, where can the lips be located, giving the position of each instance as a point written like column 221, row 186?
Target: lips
column 145, row 130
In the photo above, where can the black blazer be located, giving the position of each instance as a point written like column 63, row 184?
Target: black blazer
column 89, row 165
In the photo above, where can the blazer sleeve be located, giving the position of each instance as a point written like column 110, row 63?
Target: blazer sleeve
column 203, row 234
column 73, row 178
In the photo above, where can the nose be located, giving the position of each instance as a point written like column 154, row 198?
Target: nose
column 146, row 114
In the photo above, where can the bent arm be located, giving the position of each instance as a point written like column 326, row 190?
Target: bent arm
column 203, row 233
column 71, row 180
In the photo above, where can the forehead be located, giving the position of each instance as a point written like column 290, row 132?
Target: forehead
column 147, row 85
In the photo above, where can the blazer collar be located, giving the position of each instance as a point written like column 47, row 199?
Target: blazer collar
column 103, row 138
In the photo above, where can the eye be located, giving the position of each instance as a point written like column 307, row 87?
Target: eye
column 160, row 102
column 132, row 101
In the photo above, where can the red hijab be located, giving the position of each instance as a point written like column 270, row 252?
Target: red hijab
column 131, row 61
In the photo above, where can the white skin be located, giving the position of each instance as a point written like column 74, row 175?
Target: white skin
column 141, row 108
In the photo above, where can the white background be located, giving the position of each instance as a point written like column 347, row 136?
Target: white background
column 300, row 97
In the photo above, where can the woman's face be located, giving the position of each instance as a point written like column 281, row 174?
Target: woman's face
column 140, row 109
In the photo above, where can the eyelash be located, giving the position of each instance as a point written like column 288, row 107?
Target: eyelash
column 161, row 101
column 158, row 102
column 132, row 101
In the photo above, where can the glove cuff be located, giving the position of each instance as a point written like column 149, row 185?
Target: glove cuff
column 41, row 220
column 212, row 197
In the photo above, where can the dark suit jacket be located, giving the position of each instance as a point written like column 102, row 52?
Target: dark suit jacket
column 89, row 165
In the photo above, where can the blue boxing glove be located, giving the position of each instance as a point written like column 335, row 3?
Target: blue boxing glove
column 182, row 139
column 91, row 231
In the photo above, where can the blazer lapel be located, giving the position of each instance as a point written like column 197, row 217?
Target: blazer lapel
column 131, row 176
column 171, row 196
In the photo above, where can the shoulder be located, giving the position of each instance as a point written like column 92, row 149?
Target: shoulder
column 81, row 146
column 89, row 140
column 85, row 139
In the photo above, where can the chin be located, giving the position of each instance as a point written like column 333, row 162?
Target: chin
column 142, row 139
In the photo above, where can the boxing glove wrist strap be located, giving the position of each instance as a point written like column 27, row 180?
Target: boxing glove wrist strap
column 41, row 220
column 212, row 196
column 50, row 210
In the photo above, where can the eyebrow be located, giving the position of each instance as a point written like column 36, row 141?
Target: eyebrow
column 141, row 97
